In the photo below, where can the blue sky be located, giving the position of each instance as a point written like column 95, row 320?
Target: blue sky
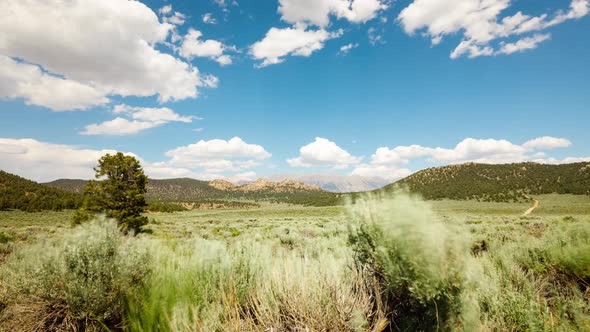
column 237, row 90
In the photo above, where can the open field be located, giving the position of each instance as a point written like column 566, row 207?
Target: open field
column 397, row 263
column 256, row 222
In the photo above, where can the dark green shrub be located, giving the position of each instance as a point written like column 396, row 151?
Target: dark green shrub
column 120, row 196
column 165, row 207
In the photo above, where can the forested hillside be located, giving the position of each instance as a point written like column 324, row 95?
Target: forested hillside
column 507, row 182
column 71, row 185
column 27, row 195
column 486, row 182
column 191, row 190
column 172, row 189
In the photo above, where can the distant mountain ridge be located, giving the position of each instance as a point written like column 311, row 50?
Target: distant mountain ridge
column 340, row 183
column 187, row 190
column 487, row 182
column 264, row 185
column 503, row 182
column 337, row 183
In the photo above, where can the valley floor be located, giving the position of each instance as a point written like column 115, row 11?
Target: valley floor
column 477, row 265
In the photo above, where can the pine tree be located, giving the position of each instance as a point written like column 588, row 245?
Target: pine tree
column 121, row 195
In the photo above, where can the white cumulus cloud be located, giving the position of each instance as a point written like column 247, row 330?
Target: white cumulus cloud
column 29, row 82
column 118, row 127
column 547, row 143
column 481, row 22
column 108, row 47
column 140, row 118
column 208, row 18
column 44, row 161
column 346, row 48
column 297, row 41
column 481, row 151
column 317, row 12
column 193, row 46
column 152, row 114
column 567, row 160
column 217, row 155
column 523, row 44
column 165, row 10
column 391, row 163
column 323, row 153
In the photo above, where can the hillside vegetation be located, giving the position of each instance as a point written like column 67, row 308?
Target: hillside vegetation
column 508, row 182
column 484, row 182
column 191, row 190
column 20, row 193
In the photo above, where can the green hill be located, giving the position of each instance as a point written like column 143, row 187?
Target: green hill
column 27, row 195
column 506, row 182
column 191, row 190
column 486, row 182
column 183, row 189
column 71, row 185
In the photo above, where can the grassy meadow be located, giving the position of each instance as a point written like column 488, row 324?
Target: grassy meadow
column 384, row 263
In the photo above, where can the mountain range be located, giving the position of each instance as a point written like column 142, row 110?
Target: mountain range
column 191, row 190
column 339, row 183
column 484, row 182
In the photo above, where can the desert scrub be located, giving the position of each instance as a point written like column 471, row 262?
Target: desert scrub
column 77, row 282
column 423, row 266
column 538, row 284
column 567, row 248
column 309, row 288
column 205, row 285
column 564, row 249
column 6, row 245
column 196, row 285
column 5, row 238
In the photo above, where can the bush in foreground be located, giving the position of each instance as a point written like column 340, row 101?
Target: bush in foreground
column 94, row 278
column 204, row 285
column 80, row 282
column 422, row 265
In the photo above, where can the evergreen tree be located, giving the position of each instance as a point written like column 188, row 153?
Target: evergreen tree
column 121, row 195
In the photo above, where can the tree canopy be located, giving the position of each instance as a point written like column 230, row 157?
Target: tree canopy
column 120, row 193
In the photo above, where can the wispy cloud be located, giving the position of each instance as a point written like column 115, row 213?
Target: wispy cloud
column 138, row 119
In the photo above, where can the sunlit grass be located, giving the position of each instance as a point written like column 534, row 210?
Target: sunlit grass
column 444, row 264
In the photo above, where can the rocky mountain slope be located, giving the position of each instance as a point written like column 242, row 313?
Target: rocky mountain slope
column 340, row 183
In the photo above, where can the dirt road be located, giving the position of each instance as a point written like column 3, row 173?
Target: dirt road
column 532, row 208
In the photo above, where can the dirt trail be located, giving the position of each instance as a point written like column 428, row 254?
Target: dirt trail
column 532, row 208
